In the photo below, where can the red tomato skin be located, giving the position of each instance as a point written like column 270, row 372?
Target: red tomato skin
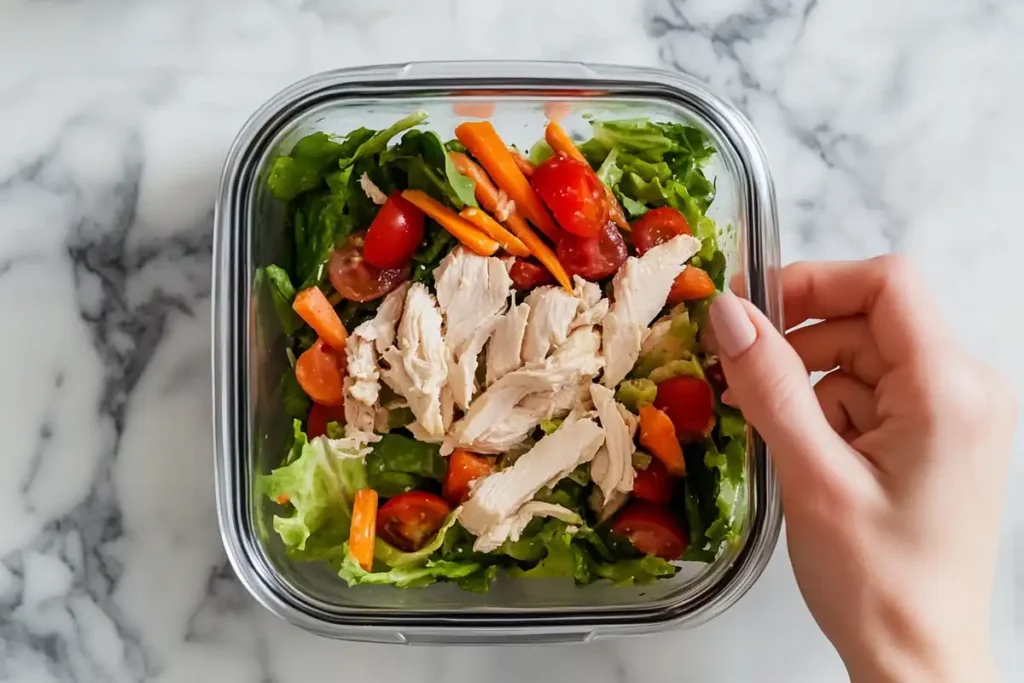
column 527, row 274
column 320, row 371
column 653, row 484
column 409, row 520
column 651, row 529
column 463, row 469
column 573, row 193
column 395, row 234
column 658, row 226
column 690, row 403
column 593, row 259
column 357, row 280
column 320, row 415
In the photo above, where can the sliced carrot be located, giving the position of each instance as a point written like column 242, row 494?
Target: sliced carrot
column 524, row 164
column 487, row 195
column 483, row 142
column 363, row 532
column 282, row 499
column 495, row 230
column 463, row 230
column 658, row 435
column 560, row 141
column 692, row 283
column 540, row 249
column 313, row 307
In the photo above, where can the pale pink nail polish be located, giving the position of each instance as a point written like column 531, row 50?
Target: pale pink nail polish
column 733, row 329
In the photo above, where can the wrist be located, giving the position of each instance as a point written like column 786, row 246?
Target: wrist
column 895, row 666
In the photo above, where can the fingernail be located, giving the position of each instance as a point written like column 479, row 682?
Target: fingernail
column 733, row 329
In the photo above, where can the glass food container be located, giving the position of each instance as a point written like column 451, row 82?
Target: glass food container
column 252, row 430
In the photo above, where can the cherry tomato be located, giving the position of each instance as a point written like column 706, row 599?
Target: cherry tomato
column 395, row 234
column 320, row 371
column 653, row 484
column 527, row 274
column 593, row 259
column 320, row 415
column 357, row 280
column 409, row 520
column 690, row 403
column 574, row 193
column 657, row 226
column 691, row 284
column 651, row 529
column 463, row 469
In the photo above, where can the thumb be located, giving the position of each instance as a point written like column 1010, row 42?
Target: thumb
column 768, row 382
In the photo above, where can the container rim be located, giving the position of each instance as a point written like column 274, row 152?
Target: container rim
column 230, row 322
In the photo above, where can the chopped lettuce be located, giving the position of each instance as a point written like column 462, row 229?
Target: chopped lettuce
column 378, row 142
column 636, row 393
column 550, row 426
column 681, row 367
column 422, row 156
column 295, row 402
column 393, row 557
column 679, row 342
column 413, row 576
column 635, row 571
column 282, row 292
column 318, row 490
column 540, row 152
column 398, row 464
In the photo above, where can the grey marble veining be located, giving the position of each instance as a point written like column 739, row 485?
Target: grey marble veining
column 890, row 125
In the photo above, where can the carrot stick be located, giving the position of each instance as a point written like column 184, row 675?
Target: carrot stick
column 483, row 142
column 486, row 192
column 464, row 231
column 692, row 283
column 524, row 164
column 495, row 230
column 313, row 307
column 658, row 435
column 363, row 531
column 540, row 249
column 560, row 141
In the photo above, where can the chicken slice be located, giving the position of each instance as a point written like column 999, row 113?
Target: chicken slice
column 505, row 349
column 462, row 371
column 640, row 289
column 499, row 495
column 612, row 469
column 362, row 348
column 471, row 289
column 511, row 529
column 552, row 311
column 495, row 421
column 417, row 365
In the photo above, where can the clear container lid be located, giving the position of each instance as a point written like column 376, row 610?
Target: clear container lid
column 252, row 429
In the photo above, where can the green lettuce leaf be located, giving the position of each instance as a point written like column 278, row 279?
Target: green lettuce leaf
column 540, row 152
column 635, row 571
column 393, row 557
column 550, row 426
column 305, row 168
column 682, row 367
column 636, row 393
column 414, row 576
column 319, row 222
column 398, row 464
column 378, row 142
column 282, row 292
column 422, row 155
column 295, row 402
column 679, row 343
column 319, row 489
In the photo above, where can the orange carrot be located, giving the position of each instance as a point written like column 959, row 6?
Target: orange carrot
column 486, row 192
column 483, row 142
column 283, row 499
column 658, row 435
column 692, row 283
column 560, row 141
column 540, row 249
column 313, row 307
column 363, row 531
column 464, row 231
column 495, row 230
column 524, row 164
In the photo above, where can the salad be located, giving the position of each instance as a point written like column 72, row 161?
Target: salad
column 496, row 356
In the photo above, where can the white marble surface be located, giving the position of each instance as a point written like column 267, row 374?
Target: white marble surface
column 890, row 125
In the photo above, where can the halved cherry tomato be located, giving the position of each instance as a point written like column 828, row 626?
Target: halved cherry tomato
column 593, row 259
column 357, row 280
column 319, row 416
column 409, row 520
column 651, row 529
column 320, row 371
column 653, row 484
column 395, row 234
column 527, row 274
column 657, row 226
column 690, row 403
column 573, row 193
column 463, row 469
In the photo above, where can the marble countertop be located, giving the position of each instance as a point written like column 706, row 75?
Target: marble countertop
column 890, row 126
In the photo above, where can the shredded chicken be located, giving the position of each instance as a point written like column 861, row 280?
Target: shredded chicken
column 417, row 365
column 504, row 207
column 612, row 469
column 640, row 289
column 552, row 311
column 372, row 191
column 504, row 351
column 512, row 527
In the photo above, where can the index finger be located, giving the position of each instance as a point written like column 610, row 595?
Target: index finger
column 902, row 315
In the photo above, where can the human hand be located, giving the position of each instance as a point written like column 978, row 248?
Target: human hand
column 892, row 467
